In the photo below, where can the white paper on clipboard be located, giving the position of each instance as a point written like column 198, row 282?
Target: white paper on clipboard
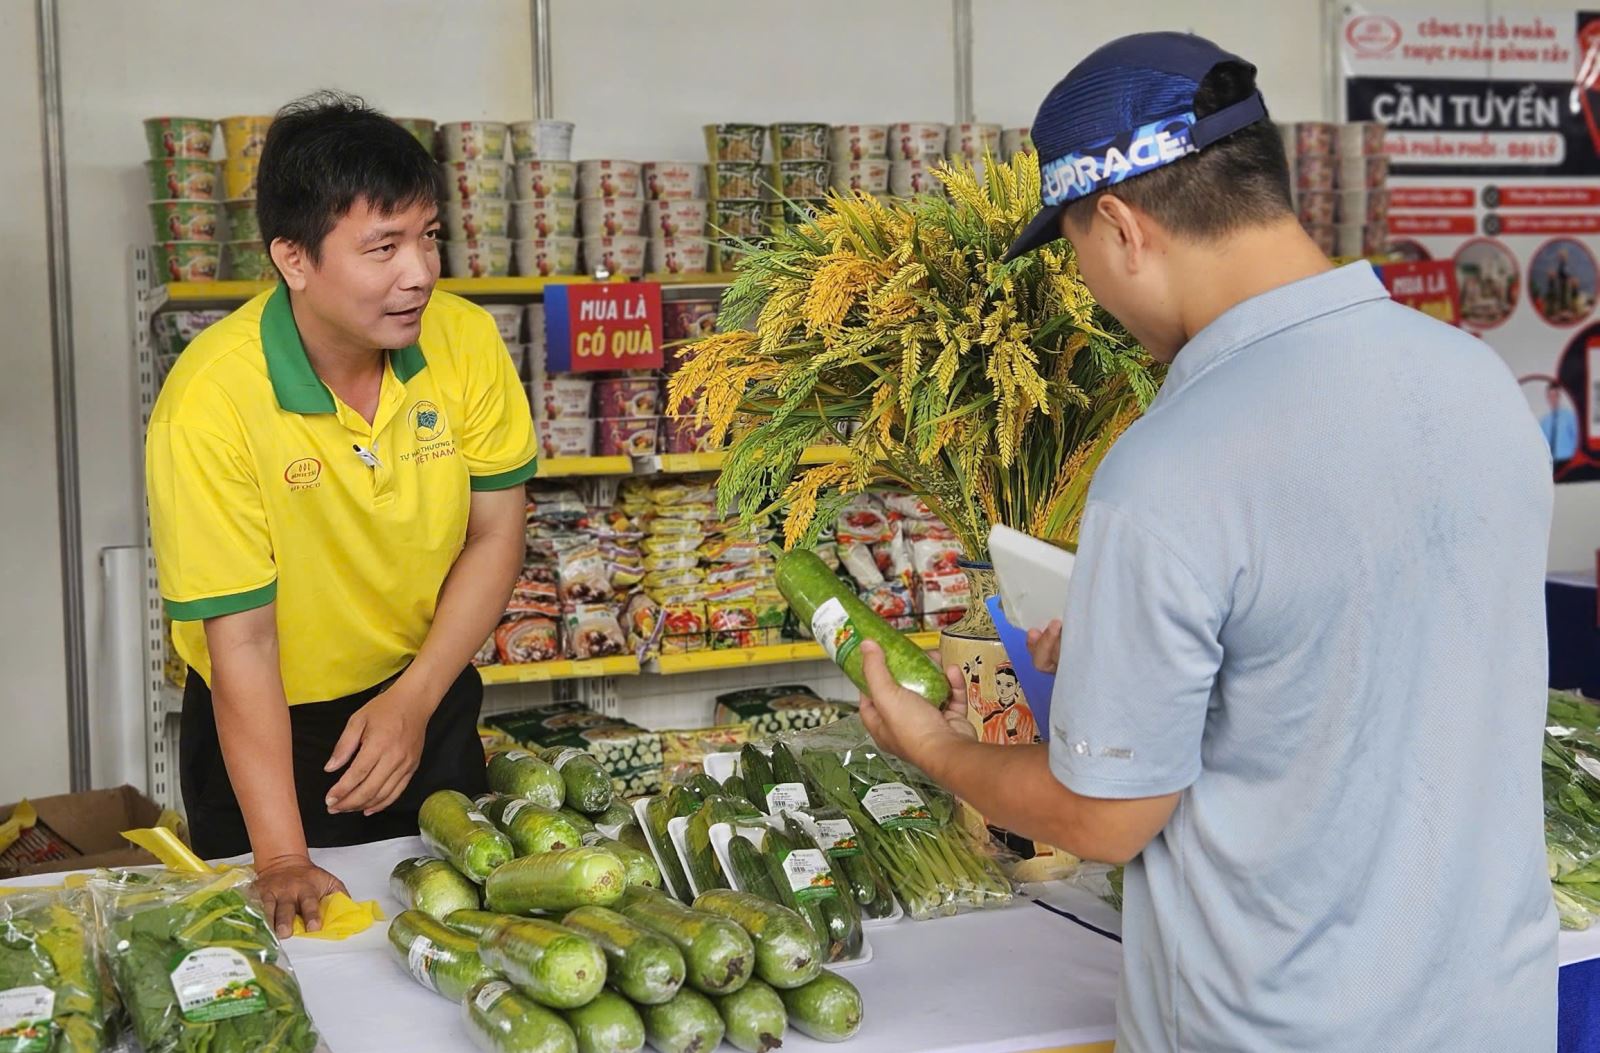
column 1032, row 575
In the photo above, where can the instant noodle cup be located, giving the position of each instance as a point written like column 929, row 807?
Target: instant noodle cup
column 619, row 255
column 610, row 179
column 566, row 438
column 802, row 179
column 1360, row 139
column 538, row 180
column 1314, row 173
column 562, row 398
column 737, row 181
column 247, row 261
column 800, row 142
column 507, row 321
column 186, row 220
column 239, row 177
column 675, row 219
column 917, row 141
column 627, row 436
column 1364, row 206
column 796, row 210
column 487, row 217
column 674, row 180
column 627, row 397
column 909, row 178
column 737, row 219
column 245, row 136
column 860, row 142
column 1014, row 141
column 1318, row 207
column 610, row 217
column 468, row 181
column 688, row 319
column 970, row 140
column 1311, row 138
column 243, row 225
column 186, row 179
column 421, row 129
column 683, row 435
column 545, row 257
column 734, row 142
column 484, row 258
column 871, row 176
column 1360, row 239
column 187, row 261
column 544, row 217
column 544, row 140
column 1361, row 173
column 472, row 141
column 185, row 137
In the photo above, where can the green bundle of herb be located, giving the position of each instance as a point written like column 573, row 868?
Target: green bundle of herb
column 911, row 831
column 198, row 968
column 49, row 985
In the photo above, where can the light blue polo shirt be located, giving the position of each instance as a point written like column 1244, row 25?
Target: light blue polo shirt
column 1310, row 596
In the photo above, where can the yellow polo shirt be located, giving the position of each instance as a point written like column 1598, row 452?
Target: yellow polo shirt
column 257, row 492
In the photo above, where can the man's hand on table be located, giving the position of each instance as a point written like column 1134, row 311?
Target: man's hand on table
column 1044, row 647
column 382, row 743
column 901, row 721
column 290, row 885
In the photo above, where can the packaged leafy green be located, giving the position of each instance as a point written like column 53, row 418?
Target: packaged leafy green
column 50, row 999
column 197, row 966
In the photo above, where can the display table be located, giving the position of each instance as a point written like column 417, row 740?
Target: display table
column 1039, row 977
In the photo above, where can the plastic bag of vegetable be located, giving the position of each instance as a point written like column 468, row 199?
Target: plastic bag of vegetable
column 197, row 966
column 50, row 994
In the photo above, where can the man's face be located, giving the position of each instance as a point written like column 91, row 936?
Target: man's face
column 1127, row 280
column 375, row 274
column 1552, row 395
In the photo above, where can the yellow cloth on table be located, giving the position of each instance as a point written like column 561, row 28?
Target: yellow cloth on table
column 342, row 917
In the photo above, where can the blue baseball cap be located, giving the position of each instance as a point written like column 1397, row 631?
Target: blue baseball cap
column 1125, row 110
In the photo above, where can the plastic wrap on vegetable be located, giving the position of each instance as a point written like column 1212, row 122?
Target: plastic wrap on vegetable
column 51, row 999
column 528, row 640
column 593, row 632
column 197, row 965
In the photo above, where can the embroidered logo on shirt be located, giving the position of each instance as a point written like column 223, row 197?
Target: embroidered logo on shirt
column 303, row 473
column 427, row 420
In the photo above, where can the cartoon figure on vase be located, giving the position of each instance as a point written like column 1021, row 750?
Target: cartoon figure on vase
column 1008, row 719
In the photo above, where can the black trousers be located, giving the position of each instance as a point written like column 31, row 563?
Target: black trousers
column 452, row 758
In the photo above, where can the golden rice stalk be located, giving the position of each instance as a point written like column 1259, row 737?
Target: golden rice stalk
column 801, row 498
column 838, row 284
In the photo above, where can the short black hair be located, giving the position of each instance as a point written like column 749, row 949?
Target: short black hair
column 1239, row 181
column 324, row 153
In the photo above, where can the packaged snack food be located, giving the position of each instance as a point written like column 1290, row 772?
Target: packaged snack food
column 593, row 632
column 528, row 640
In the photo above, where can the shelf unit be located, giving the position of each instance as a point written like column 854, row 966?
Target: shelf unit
column 545, row 672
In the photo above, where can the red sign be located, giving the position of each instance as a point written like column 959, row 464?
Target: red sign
column 601, row 328
column 1445, row 224
column 1427, row 285
column 1432, row 197
column 1548, row 196
column 1548, row 224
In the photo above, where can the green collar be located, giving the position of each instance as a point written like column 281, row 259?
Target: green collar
column 294, row 383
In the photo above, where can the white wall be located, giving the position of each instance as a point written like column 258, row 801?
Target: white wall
column 33, row 708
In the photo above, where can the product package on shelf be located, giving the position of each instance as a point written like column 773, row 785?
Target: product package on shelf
column 1340, row 178
column 683, row 753
column 767, row 711
column 631, row 755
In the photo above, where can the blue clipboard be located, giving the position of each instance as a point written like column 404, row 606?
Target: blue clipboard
column 1036, row 687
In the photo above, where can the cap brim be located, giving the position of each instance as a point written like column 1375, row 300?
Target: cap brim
column 1045, row 228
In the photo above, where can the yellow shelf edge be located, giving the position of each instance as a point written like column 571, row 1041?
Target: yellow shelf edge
column 562, row 467
column 771, row 654
column 211, row 292
column 569, row 669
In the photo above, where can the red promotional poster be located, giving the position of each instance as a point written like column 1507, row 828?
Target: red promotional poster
column 1427, row 285
column 602, row 328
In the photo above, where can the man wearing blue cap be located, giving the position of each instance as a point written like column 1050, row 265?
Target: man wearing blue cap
column 1301, row 688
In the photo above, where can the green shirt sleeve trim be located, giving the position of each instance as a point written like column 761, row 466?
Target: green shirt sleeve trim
column 218, row 606
column 506, row 480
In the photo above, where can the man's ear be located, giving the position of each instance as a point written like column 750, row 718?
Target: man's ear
column 292, row 262
column 1126, row 225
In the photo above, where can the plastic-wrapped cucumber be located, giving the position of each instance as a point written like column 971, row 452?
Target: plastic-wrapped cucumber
column 776, row 850
column 474, row 923
column 640, row 962
column 702, row 785
column 632, row 835
column 840, row 621
column 689, row 1023
column 607, row 1025
column 829, row 890
column 455, row 830
column 788, row 953
column 757, row 774
column 837, row 836
column 717, row 953
column 657, row 813
column 702, row 858
column 580, row 822
column 518, row 773
column 750, row 869
column 640, row 866
column 532, row 828
column 616, row 816
column 552, row 964
column 588, row 787
column 502, row 1019
column 828, row 1008
column 438, row 957
column 573, row 877
column 754, row 1016
column 432, row 886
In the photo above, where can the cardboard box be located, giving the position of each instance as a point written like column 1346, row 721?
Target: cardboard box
column 81, row 831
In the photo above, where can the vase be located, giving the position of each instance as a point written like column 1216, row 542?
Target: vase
column 995, row 705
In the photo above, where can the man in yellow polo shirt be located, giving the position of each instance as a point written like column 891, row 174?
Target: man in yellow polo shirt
column 335, row 476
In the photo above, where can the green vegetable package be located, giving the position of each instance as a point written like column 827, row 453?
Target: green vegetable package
column 197, row 966
column 50, row 999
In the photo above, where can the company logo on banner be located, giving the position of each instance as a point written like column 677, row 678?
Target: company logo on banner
column 1493, row 131
column 599, row 328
